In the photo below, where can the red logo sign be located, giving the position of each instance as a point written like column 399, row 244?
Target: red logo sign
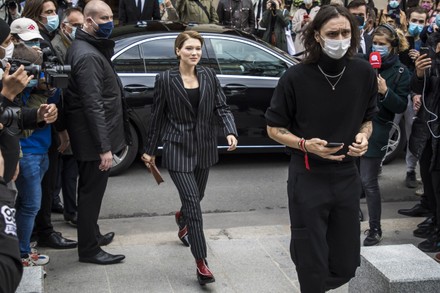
column 31, row 27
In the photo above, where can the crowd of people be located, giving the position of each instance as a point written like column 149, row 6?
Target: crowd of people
column 59, row 148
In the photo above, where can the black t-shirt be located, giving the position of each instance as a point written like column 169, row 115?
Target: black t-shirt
column 194, row 97
column 305, row 104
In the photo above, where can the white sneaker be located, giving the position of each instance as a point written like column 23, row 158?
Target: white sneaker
column 37, row 258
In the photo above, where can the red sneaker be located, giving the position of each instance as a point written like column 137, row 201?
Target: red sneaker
column 204, row 274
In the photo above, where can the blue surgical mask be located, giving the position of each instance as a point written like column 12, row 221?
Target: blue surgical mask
column 104, row 29
column 437, row 20
column 415, row 29
column 73, row 33
column 394, row 4
column 53, row 21
column 32, row 43
column 32, row 83
column 383, row 50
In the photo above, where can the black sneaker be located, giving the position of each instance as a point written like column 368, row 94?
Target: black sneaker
column 432, row 244
column 411, row 180
column 374, row 236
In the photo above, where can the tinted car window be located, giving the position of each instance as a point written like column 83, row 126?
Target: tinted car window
column 128, row 62
column 158, row 55
column 236, row 58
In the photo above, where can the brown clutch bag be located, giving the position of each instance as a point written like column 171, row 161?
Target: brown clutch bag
column 156, row 174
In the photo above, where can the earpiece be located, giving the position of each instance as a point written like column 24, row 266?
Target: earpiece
column 395, row 42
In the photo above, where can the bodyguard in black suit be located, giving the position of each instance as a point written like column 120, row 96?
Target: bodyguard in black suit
column 132, row 11
column 188, row 104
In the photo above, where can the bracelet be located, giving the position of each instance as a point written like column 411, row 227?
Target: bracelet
column 302, row 146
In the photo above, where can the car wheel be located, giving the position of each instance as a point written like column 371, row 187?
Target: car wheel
column 396, row 141
column 123, row 159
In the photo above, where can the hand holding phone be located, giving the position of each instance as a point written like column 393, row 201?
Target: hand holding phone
column 334, row 144
column 424, row 50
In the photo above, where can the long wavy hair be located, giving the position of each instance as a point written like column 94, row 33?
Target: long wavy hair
column 327, row 12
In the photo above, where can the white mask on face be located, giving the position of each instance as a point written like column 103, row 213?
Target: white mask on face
column 9, row 50
column 308, row 2
column 335, row 49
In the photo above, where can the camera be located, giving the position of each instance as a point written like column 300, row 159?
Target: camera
column 11, row 4
column 55, row 73
column 10, row 117
column 64, row 4
column 30, row 68
column 273, row 6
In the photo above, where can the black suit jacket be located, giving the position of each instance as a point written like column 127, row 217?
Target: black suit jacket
column 129, row 13
column 189, row 138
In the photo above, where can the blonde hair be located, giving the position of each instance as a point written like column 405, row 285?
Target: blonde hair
column 384, row 30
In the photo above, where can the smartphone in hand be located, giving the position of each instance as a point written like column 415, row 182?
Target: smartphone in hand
column 334, row 144
column 424, row 50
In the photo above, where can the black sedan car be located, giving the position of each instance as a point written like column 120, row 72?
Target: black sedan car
column 248, row 70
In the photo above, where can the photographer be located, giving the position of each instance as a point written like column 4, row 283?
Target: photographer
column 237, row 14
column 11, row 269
column 12, row 85
column 275, row 23
column 12, row 10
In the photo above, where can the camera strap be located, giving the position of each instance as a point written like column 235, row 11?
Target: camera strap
column 203, row 8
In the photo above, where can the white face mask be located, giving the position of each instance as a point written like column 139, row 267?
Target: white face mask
column 336, row 49
column 9, row 50
column 308, row 2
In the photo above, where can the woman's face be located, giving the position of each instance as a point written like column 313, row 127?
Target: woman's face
column 381, row 41
column 191, row 52
column 337, row 28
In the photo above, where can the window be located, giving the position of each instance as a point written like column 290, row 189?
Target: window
column 129, row 62
column 158, row 55
column 237, row 58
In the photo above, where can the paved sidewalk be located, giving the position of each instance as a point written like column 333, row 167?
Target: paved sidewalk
column 247, row 252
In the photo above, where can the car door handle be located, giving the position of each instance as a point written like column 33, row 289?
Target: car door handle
column 136, row 88
column 235, row 89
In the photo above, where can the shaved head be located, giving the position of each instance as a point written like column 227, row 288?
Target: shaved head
column 93, row 7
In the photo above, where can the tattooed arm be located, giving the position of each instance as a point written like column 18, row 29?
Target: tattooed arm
column 360, row 146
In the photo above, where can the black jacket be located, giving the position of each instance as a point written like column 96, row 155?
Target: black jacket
column 10, row 144
column 421, row 134
column 189, row 137
column 93, row 105
column 237, row 14
column 130, row 14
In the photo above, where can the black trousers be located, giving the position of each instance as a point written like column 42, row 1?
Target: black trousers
column 431, row 181
column 324, row 217
column 191, row 187
column 67, row 181
column 43, row 221
column 91, row 188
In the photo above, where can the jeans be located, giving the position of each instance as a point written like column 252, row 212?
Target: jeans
column 369, row 171
column 32, row 169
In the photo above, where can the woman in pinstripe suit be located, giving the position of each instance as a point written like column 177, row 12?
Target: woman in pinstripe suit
column 188, row 103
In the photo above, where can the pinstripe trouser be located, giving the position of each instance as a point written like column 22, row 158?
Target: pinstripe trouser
column 191, row 187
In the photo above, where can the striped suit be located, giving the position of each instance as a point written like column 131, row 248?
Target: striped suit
column 189, row 140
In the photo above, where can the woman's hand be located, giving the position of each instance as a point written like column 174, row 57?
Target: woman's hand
column 232, row 142
column 359, row 147
column 148, row 160
column 422, row 63
column 317, row 146
column 417, row 102
column 382, row 85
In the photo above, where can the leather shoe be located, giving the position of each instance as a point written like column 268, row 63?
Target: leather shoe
column 57, row 241
column 103, row 258
column 106, row 239
column 58, row 207
column 71, row 219
column 416, row 211
column 430, row 221
column 204, row 274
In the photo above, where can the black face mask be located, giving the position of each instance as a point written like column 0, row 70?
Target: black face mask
column 360, row 19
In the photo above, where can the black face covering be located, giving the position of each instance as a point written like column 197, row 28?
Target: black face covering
column 23, row 52
column 361, row 20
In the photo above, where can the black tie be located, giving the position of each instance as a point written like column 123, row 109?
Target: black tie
column 140, row 8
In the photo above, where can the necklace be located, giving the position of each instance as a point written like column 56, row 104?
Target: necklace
column 327, row 76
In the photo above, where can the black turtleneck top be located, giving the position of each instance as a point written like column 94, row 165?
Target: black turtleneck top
column 305, row 103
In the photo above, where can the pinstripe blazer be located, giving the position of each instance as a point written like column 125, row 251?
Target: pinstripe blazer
column 189, row 138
